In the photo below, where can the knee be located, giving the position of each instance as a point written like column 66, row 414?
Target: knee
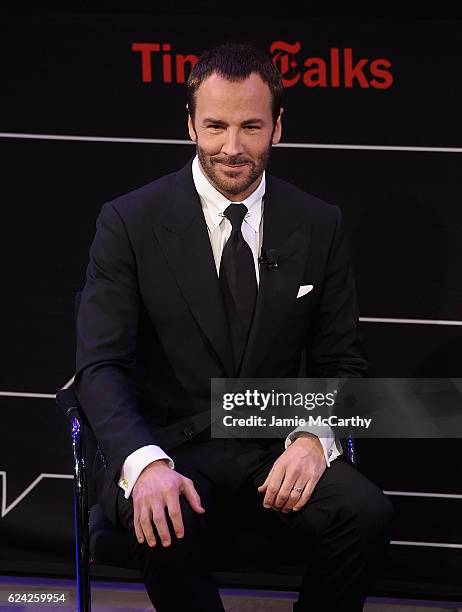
column 373, row 514
column 386, row 511
column 185, row 551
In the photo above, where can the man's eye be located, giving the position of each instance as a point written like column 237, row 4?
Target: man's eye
column 215, row 127
column 252, row 127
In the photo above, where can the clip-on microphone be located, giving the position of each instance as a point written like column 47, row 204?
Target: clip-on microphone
column 269, row 259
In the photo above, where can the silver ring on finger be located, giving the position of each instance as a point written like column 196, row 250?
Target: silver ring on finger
column 299, row 489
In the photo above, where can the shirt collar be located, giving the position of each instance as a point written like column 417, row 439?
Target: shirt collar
column 214, row 203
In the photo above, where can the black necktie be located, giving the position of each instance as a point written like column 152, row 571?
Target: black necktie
column 238, row 282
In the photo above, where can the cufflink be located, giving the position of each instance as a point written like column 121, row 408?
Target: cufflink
column 124, row 483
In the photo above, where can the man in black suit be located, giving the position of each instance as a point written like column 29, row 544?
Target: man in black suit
column 177, row 294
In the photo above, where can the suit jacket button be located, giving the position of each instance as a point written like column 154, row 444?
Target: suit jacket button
column 188, row 431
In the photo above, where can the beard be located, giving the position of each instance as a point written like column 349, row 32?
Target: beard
column 232, row 185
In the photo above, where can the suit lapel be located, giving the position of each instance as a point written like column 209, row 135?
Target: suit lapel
column 285, row 231
column 184, row 238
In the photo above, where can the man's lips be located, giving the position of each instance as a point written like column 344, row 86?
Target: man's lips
column 233, row 165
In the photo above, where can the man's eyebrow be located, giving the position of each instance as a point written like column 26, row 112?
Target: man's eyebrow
column 253, row 122
column 214, row 121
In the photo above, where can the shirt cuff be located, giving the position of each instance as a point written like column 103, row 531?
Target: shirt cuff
column 328, row 444
column 135, row 463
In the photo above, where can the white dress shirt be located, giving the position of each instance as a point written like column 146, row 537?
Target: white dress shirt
column 219, row 229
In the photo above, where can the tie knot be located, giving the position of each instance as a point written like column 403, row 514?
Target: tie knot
column 236, row 212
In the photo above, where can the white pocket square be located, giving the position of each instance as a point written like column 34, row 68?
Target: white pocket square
column 304, row 289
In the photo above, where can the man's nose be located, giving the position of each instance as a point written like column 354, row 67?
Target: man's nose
column 232, row 145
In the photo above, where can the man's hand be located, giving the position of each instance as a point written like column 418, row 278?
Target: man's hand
column 159, row 487
column 300, row 465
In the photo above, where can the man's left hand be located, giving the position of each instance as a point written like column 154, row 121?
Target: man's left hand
column 301, row 465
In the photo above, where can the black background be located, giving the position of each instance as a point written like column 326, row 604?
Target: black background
column 72, row 72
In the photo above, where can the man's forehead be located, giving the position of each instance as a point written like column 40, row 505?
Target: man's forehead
column 218, row 79
column 220, row 92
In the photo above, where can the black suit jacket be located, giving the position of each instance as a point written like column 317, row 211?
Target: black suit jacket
column 152, row 329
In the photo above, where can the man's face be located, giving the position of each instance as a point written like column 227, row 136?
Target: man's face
column 233, row 130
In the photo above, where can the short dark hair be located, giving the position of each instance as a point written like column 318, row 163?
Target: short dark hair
column 236, row 61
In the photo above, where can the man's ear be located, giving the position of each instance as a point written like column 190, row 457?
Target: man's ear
column 191, row 128
column 277, row 130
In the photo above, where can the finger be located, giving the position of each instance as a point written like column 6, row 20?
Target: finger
column 174, row 511
column 274, row 484
column 264, row 486
column 137, row 524
column 285, row 491
column 160, row 521
column 309, row 488
column 146, row 525
column 305, row 496
column 294, row 496
column 193, row 497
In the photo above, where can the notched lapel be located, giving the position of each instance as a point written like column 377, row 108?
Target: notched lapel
column 184, row 239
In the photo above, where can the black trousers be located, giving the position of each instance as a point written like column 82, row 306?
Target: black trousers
column 341, row 535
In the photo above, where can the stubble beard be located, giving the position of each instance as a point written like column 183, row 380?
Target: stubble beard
column 231, row 186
